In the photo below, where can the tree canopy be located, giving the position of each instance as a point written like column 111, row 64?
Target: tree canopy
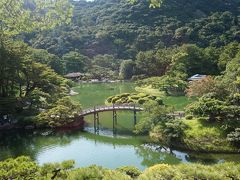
column 18, row 16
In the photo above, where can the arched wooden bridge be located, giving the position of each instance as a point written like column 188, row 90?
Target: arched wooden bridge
column 118, row 107
column 114, row 107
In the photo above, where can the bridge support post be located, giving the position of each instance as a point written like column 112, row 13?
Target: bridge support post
column 114, row 118
column 135, row 116
column 96, row 120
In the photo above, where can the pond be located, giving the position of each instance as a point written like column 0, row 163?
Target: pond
column 105, row 149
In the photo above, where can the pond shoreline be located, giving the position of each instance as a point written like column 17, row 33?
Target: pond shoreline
column 66, row 143
column 79, row 124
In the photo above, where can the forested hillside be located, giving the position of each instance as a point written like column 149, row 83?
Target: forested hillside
column 183, row 57
column 121, row 29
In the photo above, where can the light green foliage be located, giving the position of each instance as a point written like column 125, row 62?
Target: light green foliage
column 161, row 171
column 25, row 168
column 131, row 171
column 179, row 103
column 193, row 171
column 170, row 84
column 63, row 112
column 202, row 136
column 19, row 16
column 19, row 168
column 96, row 172
column 48, row 170
column 134, row 98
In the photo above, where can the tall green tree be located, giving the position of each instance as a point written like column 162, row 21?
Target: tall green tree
column 126, row 69
column 43, row 57
column 75, row 62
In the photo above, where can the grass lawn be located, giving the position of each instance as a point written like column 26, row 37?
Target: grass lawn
column 150, row 90
column 178, row 102
column 206, row 137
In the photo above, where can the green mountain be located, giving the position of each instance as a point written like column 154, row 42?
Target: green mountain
column 122, row 29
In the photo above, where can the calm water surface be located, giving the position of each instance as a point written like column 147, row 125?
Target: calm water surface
column 104, row 149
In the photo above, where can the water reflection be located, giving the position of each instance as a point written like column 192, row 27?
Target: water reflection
column 104, row 149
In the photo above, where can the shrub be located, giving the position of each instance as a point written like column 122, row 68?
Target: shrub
column 234, row 137
column 141, row 101
column 131, row 171
column 159, row 101
column 19, row 168
column 189, row 117
column 96, row 172
column 160, row 171
column 142, row 95
column 135, row 97
column 170, row 131
column 192, row 171
column 152, row 97
column 140, row 98
column 125, row 95
column 63, row 112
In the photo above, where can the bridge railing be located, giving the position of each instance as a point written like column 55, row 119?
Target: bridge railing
column 108, row 107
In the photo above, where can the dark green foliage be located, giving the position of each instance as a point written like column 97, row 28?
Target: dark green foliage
column 75, row 62
column 174, row 131
column 234, row 137
column 169, row 132
column 189, row 117
column 126, row 69
column 43, row 57
column 62, row 113
column 208, row 107
column 104, row 66
column 229, row 52
column 154, row 63
column 25, row 84
column 123, row 29
column 154, row 115
column 193, row 60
